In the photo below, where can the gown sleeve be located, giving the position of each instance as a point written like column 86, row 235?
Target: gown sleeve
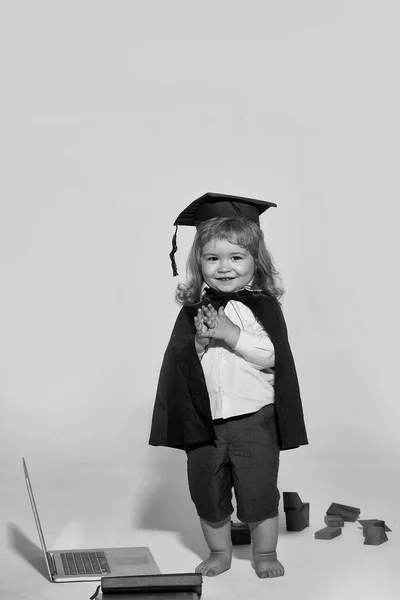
column 182, row 413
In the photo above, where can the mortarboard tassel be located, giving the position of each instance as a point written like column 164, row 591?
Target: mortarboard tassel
column 172, row 253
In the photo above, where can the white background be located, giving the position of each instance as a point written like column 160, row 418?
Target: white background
column 116, row 115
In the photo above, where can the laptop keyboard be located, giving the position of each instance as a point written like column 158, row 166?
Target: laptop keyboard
column 84, row 563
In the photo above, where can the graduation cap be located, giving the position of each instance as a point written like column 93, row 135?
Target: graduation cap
column 212, row 205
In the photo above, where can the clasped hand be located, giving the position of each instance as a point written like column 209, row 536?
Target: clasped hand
column 212, row 324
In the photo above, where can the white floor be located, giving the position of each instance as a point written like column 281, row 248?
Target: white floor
column 340, row 569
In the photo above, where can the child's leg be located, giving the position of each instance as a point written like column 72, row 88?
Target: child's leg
column 254, row 453
column 264, row 535
column 218, row 538
column 210, row 485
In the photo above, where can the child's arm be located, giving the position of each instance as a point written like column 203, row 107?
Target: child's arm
column 256, row 348
column 210, row 324
column 201, row 339
column 219, row 326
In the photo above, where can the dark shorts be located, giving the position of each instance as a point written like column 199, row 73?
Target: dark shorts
column 245, row 457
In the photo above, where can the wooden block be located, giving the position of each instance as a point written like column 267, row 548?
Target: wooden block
column 240, row 534
column 334, row 521
column 374, row 535
column 328, row 533
column 291, row 500
column 305, row 511
column 348, row 513
column 298, row 519
column 378, row 522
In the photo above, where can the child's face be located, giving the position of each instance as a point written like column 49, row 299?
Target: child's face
column 225, row 266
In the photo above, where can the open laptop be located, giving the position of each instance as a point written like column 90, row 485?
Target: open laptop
column 93, row 564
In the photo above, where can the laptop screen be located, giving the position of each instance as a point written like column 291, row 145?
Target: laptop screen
column 37, row 520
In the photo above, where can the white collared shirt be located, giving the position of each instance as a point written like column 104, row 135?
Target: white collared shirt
column 240, row 380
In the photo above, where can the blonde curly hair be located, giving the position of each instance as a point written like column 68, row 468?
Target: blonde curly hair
column 236, row 230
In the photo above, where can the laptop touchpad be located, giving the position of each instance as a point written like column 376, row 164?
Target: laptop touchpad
column 131, row 560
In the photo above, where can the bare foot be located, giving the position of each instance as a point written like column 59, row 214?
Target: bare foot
column 267, row 565
column 217, row 563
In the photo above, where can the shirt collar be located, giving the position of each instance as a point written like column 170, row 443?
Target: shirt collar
column 246, row 287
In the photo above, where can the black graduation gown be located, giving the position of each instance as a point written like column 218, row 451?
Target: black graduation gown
column 182, row 413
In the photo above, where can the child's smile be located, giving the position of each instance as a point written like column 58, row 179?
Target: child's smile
column 226, row 266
